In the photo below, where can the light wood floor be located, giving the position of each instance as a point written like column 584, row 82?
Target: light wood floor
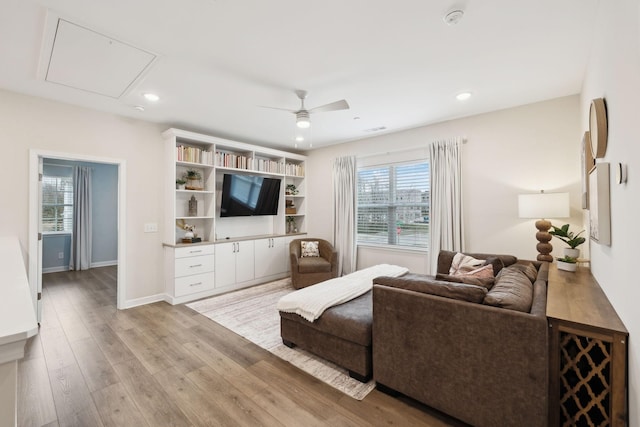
column 163, row 365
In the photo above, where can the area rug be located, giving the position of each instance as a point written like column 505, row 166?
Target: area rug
column 252, row 314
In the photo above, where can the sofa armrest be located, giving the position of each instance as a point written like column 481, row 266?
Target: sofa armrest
column 481, row 364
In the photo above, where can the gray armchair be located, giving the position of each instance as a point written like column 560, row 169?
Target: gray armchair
column 311, row 270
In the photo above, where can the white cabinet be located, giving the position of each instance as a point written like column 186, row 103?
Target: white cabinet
column 189, row 272
column 271, row 257
column 193, row 270
column 234, row 263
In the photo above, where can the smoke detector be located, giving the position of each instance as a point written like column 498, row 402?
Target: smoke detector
column 453, row 17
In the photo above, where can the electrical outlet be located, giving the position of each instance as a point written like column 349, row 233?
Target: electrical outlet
column 151, row 227
column 60, row 255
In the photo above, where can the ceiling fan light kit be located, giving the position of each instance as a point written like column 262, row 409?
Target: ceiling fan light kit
column 303, row 119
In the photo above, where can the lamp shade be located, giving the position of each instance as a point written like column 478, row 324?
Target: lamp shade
column 543, row 205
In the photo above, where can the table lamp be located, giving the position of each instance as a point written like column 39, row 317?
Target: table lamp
column 543, row 205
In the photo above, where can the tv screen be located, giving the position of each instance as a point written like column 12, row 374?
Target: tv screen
column 247, row 195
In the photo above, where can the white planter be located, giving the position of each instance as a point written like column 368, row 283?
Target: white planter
column 573, row 253
column 567, row 266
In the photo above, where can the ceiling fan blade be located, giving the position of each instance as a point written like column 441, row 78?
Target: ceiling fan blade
column 278, row 108
column 334, row 106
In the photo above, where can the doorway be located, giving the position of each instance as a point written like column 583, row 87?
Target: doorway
column 36, row 161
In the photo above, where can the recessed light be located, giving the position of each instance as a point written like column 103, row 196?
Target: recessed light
column 463, row 96
column 151, row 97
column 138, row 107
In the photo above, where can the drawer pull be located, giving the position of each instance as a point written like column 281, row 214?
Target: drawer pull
column 195, row 252
column 196, row 265
column 196, row 284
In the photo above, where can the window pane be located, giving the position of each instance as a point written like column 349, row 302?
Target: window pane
column 57, row 203
column 393, row 205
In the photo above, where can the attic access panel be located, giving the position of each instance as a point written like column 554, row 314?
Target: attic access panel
column 90, row 61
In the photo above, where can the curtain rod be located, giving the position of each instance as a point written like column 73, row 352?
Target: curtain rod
column 421, row 147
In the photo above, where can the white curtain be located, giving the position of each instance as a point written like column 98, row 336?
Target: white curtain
column 81, row 238
column 446, row 199
column 344, row 213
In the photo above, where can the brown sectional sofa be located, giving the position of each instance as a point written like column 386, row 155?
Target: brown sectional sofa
column 484, row 365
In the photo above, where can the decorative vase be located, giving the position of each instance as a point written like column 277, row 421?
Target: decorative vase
column 573, row 253
column 180, row 186
column 567, row 266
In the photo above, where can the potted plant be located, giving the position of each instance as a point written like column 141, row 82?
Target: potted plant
column 180, row 183
column 567, row 263
column 193, row 175
column 291, row 190
column 570, row 238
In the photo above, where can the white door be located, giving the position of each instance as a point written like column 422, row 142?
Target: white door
column 245, row 258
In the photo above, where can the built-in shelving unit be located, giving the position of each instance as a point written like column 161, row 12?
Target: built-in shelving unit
column 210, row 158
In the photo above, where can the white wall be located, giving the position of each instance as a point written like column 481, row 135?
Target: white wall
column 614, row 73
column 29, row 122
column 508, row 152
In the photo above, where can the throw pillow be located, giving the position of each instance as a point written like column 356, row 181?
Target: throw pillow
column 512, row 290
column 496, row 263
column 309, row 249
column 484, row 272
column 464, row 263
column 469, row 280
column 527, row 268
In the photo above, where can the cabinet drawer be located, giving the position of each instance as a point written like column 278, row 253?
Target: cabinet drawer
column 194, row 265
column 194, row 251
column 192, row 284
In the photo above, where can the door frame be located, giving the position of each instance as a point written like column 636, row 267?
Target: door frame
column 35, row 273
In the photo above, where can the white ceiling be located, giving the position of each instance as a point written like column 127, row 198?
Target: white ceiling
column 397, row 63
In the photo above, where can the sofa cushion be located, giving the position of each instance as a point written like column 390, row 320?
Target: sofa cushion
column 527, row 268
column 513, row 290
column 309, row 249
column 313, row 265
column 429, row 285
column 469, row 280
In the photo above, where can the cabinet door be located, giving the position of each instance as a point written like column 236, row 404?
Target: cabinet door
column 270, row 257
column 225, row 264
column 244, row 261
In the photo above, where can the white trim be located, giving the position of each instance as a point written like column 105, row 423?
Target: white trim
column 57, row 269
column 34, row 155
column 143, row 301
column 104, row 263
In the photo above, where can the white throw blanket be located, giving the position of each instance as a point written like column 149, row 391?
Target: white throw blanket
column 312, row 301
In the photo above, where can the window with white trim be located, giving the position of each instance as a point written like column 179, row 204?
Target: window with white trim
column 393, row 205
column 57, row 203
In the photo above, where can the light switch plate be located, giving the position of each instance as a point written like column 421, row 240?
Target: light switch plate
column 151, row 227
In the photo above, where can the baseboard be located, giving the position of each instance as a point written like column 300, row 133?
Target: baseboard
column 143, row 301
column 104, row 263
column 55, row 269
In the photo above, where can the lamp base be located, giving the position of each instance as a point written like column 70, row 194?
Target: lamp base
column 544, row 247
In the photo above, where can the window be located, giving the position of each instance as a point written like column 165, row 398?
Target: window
column 57, row 203
column 393, row 205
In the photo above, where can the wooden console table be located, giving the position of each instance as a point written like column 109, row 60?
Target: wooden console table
column 588, row 353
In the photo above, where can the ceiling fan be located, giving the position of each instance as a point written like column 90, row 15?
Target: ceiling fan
column 302, row 114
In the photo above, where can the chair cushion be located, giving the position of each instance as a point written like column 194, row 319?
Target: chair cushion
column 313, row 265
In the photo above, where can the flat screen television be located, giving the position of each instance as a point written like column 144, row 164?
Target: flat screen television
column 247, row 195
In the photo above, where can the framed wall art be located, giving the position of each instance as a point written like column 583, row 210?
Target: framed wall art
column 599, row 204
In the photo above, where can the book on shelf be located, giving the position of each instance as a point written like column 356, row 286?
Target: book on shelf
column 187, row 153
column 233, row 160
column 293, row 169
